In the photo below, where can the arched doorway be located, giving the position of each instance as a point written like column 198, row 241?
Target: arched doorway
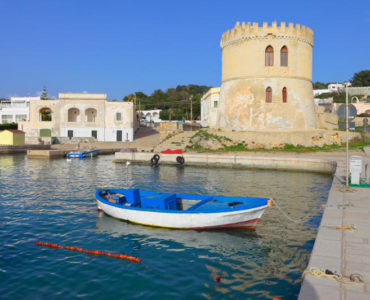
column 91, row 114
column 45, row 114
column 73, row 114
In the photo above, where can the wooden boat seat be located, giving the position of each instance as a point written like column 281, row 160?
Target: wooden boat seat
column 196, row 206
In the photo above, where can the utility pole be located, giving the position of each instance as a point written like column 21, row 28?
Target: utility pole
column 191, row 109
column 347, row 154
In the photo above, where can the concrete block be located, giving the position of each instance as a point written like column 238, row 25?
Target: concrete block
column 198, row 159
column 225, row 160
column 329, row 234
column 351, row 267
column 325, row 263
column 328, row 248
column 354, row 295
column 319, row 288
column 361, row 257
column 367, row 150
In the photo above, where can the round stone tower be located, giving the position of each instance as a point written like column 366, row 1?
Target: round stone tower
column 266, row 78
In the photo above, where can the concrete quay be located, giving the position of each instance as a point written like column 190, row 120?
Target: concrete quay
column 22, row 148
column 272, row 162
column 342, row 251
column 58, row 153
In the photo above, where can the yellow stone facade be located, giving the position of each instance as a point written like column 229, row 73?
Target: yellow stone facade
column 255, row 81
column 81, row 115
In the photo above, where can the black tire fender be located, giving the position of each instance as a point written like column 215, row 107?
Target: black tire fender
column 154, row 160
column 156, row 156
column 180, row 160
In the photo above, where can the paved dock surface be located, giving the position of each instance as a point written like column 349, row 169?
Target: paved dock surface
column 342, row 251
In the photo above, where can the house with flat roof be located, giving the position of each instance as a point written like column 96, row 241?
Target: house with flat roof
column 80, row 115
column 16, row 109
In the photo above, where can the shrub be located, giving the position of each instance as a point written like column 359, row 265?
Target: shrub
column 8, row 126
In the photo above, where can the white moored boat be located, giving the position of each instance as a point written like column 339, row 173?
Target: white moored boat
column 181, row 211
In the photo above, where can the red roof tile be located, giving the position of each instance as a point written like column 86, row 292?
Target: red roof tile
column 15, row 130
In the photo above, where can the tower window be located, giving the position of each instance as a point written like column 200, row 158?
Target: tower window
column 284, row 95
column 269, row 56
column 268, row 95
column 118, row 116
column 284, row 56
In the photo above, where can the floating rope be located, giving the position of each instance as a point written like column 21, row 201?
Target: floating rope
column 96, row 252
column 353, row 278
column 284, row 214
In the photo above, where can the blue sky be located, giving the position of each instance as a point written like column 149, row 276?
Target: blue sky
column 119, row 47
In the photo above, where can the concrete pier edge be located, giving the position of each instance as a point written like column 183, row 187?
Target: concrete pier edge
column 235, row 161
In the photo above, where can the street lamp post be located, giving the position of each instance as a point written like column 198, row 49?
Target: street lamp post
column 347, row 154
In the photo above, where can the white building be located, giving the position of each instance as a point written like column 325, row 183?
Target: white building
column 150, row 115
column 16, row 109
column 332, row 88
column 336, row 87
column 80, row 115
column 208, row 107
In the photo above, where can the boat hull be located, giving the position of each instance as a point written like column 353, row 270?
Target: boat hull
column 81, row 155
column 239, row 219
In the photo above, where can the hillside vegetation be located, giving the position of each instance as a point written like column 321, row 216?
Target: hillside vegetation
column 173, row 101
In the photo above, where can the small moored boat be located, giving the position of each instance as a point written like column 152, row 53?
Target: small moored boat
column 83, row 154
column 181, row 211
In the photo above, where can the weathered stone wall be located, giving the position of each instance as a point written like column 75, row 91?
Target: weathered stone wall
column 365, row 90
column 242, row 105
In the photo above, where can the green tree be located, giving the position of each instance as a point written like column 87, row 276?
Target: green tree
column 320, row 85
column 361, row 78
column 174, row 102
column 44, row 95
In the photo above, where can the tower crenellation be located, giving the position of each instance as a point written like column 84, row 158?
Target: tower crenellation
column 246, row 31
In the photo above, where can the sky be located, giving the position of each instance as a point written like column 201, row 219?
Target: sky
column 123, row 46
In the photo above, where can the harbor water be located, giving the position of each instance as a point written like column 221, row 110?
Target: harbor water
column 53, row 201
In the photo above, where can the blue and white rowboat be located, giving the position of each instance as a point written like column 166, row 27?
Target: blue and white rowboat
column 83, row 154
column 181, row 211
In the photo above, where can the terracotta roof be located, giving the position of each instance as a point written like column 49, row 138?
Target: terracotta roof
column 15, row 130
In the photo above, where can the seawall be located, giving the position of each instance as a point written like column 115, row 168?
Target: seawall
column 246, row 161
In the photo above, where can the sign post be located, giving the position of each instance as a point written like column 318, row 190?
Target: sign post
column 347, row 154
column 347, row 113
column 365, row 121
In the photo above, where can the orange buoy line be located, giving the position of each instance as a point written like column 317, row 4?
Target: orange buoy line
column 96, row 252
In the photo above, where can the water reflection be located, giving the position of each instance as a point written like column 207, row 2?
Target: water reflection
column 221, row 241
column 53, row 200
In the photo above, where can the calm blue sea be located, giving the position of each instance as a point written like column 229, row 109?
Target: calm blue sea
column 53, row 201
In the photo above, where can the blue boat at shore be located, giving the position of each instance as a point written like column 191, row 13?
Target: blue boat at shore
column 181, row 211
column 83, row 154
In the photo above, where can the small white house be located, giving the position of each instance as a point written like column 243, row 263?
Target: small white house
column 209, row 107
column 150, row 115
column 16, row 109
column 335, row 87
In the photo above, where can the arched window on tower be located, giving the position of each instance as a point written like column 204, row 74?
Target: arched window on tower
column 284, row 56
column 284, row 95
column 268, row 95
column 269, row 56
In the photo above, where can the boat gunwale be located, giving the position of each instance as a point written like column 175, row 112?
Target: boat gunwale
column 250, row 207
